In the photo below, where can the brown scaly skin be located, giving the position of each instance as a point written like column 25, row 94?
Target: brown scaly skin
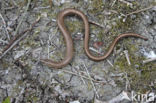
column 69, row 41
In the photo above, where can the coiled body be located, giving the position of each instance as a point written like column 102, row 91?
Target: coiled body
column 69, row 41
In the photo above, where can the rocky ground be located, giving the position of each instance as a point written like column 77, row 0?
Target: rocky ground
column 24, row 79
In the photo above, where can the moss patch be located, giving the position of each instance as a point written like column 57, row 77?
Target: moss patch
column 74, row 26
column 139, row 75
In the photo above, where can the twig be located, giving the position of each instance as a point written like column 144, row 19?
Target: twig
column 53, row 20
column 123, row 1
column 126, row 2
column 138, row 11
column 39, row 8
column 9, row 8
column 95, row 50
column 113, row 3
column 81, row 78
column 110, row 62
column 73, row 73
column 127, row 57
column 77, row 69
column 5, row 27
column 17, row 39
column 12, row 44
column 91, row 80
column 18, row 26
column 149, row 60
column 97, row 24
column 76, row 74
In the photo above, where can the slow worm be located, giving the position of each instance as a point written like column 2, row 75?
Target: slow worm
column 69, row 41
